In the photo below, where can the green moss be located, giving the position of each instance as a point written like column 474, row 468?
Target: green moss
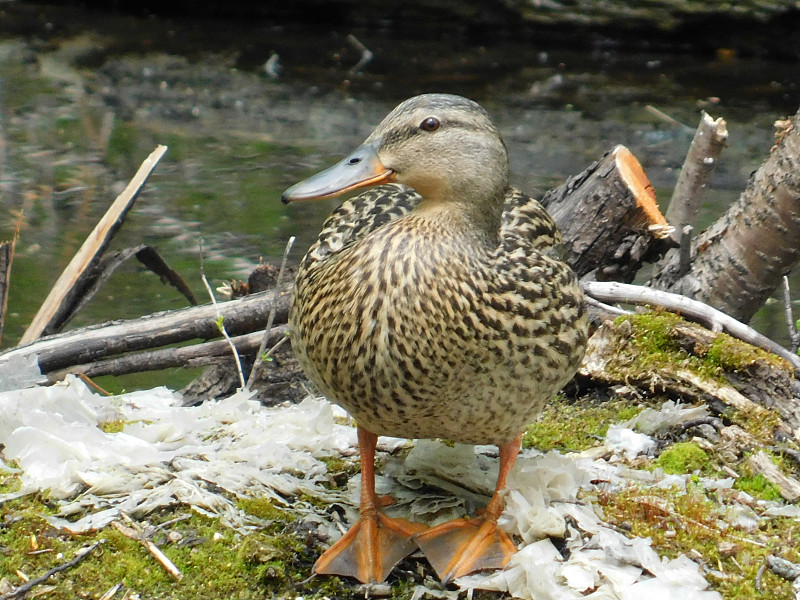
column 216, row 562
column 263, row 508
column 689, row 523
column 655, row 348
column 759, row 422
column 758, row 487
column 734, row 355
column 684, row 457
column 575, row 426
column 113, row 426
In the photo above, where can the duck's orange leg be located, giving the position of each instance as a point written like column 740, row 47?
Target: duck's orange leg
column 376, row 543
column 463, row 546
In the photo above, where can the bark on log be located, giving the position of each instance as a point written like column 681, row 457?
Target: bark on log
column 740, row 260
column 608, row 216
column 92, row 343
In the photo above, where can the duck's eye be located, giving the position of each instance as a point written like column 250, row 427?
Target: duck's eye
column 430, row 124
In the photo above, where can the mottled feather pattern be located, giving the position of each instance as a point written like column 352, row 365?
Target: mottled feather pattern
column 358, row 216
column 423, row 334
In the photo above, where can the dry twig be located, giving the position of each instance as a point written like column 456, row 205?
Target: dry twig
column 134, row 532
column 270, row 320
column 26, row 587
column 709, row 139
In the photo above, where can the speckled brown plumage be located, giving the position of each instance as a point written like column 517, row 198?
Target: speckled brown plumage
column 419, row 329
column 435, row 306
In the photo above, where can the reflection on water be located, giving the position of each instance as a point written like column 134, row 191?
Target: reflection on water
column 80, row 111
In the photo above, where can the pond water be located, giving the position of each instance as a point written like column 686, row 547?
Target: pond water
column 84, row 98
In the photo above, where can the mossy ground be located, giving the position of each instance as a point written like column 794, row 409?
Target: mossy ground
column 693, row 523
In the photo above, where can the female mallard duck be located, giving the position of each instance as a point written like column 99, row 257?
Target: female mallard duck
column 433, row 310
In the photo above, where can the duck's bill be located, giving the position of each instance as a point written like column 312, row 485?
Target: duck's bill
column 360, row 169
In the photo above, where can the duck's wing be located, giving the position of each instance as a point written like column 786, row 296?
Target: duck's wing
column 526, row 225
column 357, row 217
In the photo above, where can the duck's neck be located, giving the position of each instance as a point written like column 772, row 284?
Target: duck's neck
column 479, row 219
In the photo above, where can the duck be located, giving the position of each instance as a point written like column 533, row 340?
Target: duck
column 433, row 304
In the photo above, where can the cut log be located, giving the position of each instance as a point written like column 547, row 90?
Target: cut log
column 608, row 216
column 741, row 259
column 74, row 281
column 89, row 344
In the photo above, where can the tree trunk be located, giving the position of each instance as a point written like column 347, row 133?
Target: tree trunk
column 740, row 260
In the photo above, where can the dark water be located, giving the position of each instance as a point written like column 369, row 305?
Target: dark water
column 85, row 98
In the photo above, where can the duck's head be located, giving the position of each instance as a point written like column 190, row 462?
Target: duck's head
column 446, row 147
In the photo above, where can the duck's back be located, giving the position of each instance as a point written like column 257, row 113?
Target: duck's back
column 420, row 330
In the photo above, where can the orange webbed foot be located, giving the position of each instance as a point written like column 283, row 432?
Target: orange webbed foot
column 370, row 549
column 463, row 546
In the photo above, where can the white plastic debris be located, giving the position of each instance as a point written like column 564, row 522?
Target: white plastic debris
column 671, row 414
column 20, row 371
column 628, row 443
column 168, row 453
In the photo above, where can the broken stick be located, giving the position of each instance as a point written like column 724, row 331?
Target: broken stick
column 709, row 140
column 69, row 285
column 134, row 532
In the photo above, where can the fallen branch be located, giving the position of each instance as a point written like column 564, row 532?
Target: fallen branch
column 95, row 342
column 196, row 355
column 98, row 275
column 70, row 286
column 27, row 587
column 691, row 309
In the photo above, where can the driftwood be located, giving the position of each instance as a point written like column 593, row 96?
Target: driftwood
column 76, row 280
column 608, row 216
column 196, row 355
column 741, row 259
column 96, row 342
